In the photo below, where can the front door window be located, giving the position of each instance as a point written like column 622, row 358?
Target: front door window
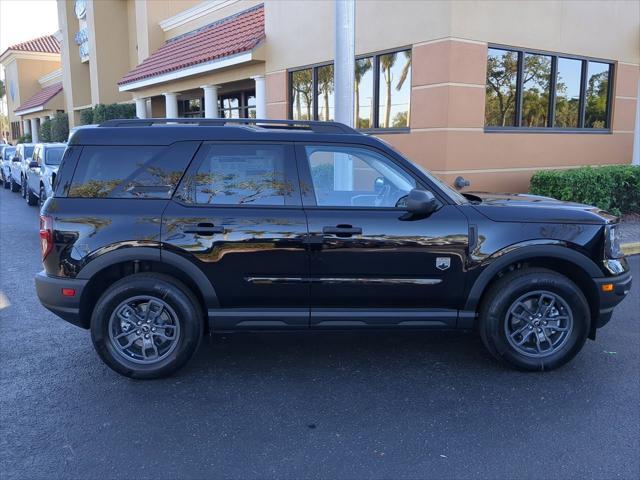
column 356, row 177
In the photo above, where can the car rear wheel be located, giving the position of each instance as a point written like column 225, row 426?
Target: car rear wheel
column 146, row 326
column 14, row 185
column 41, row 196
column 7, row 183
column 32, row 199
column 534, row 319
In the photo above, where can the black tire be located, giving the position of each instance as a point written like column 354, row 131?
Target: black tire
column 7, row 183
column 497, row 304
column 163, row 287
column 14, row 186
column 32, row 200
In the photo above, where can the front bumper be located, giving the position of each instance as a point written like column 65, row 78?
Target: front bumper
column 49, row 291
column 609, row 300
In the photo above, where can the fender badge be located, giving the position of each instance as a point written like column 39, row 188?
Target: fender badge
column 443, row 263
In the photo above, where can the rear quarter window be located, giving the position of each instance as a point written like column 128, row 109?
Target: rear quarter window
column 131, row 171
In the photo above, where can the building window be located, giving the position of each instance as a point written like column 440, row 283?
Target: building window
column 532, row 90
column 382, row 91
column 192, row 108
column 15, row 130
column 238, row 105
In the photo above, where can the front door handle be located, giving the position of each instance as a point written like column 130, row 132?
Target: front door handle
column 342, row 231
column 203, row 228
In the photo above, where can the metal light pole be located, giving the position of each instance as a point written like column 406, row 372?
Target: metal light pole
column 345, row 53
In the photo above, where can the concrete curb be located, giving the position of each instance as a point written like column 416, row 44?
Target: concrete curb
column 632, row 248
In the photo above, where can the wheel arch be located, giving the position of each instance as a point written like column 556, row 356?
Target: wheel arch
column 562, row 259
column 106, row 269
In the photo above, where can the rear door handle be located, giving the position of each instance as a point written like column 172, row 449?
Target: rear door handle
column 342, row 230
column 204, row 229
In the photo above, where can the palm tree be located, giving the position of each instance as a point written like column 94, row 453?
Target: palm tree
column 386, row 64
column 362, row 67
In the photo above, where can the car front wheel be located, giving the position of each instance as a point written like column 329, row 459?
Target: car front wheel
column 146, row 326
column 534, row 319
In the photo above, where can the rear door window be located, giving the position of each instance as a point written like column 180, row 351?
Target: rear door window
column 243, row 174
column 131, row 171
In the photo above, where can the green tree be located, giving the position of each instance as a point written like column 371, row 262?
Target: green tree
column 60, row 127
column 502, row 71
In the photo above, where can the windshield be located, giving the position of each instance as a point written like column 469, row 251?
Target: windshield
column 9, row 153
column 53, row 156
column 28, row 151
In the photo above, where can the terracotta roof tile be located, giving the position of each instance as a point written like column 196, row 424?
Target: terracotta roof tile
column 236, row 34
column 42, row 97
column 46, row 44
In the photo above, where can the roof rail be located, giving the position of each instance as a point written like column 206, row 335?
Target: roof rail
column 314, row 126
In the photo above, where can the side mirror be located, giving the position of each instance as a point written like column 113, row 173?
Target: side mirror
column 15, row 159
column 378, row 184
column 33, row 164
column 421, row 203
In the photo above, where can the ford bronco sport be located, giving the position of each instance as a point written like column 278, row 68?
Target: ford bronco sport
column 161, row 230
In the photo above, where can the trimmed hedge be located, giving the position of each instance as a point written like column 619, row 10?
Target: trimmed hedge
column 101, row 113
column 614, row 188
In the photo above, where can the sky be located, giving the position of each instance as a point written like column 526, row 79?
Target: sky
column 22, row 20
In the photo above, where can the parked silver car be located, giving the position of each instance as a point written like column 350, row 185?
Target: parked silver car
column 19, row 165
column 41, row 171
column 7, row 153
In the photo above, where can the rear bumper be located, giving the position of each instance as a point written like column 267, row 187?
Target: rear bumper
column 49, row 291
column 609, row 300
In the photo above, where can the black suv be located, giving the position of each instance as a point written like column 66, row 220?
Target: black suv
column 161, row 230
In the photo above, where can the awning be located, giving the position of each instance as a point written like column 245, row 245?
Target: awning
column 39, row 100
column 220, row 44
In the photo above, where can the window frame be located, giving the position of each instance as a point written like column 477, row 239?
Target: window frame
column 375, row 56
column 581, row 129
column 290, row 174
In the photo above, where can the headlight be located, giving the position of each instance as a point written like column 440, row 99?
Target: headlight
column 612, row 242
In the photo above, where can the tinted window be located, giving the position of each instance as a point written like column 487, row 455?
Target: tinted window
column 502, row 75
column 395, row 89
column 597, row 95
column 236, row 174
column 53, row 156
column 568, row 93
column 130, row 172
column 302, row 93
column 363, row 93
column 325, row 93
column 535, row 90
column 356, row 177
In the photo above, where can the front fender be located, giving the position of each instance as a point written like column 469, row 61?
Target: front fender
column 524, row 251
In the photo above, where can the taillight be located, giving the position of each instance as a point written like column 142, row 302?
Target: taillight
column 46, row 235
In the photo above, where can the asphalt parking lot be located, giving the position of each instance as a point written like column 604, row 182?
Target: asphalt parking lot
column 302, row 406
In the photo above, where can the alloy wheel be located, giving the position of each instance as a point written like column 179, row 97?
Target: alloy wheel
column 538, row 323
column 144, row 329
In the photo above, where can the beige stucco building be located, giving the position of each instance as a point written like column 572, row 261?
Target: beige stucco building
column 487, row 90
column 33, row 81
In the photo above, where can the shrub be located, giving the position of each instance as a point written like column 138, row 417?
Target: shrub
column 60, row 127
column 86, row 116
column 24, row 138
column 101, row 113
column 614, row 188
column 45, row 131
